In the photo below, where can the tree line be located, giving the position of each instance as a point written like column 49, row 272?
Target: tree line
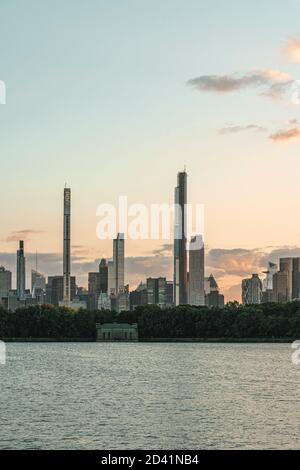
column 233, row 321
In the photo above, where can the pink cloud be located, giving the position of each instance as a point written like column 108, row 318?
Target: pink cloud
column 286, row 135
column 292, row 50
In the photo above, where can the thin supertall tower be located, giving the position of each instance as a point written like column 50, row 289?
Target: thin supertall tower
column 21, row 272
column 67, row 246
column 180, row 241
column 118, row 260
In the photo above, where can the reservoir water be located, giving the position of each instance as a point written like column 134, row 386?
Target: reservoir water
column 149, row 396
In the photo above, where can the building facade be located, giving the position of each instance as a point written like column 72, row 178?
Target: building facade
column 213, row 298
column 123, row 299
column 118, row 262
column 280, row 287
column 38, row 286
column 117, row 332
column 103, row 271
column 110, row 278
column 94, row 290
column 5, row 282
column 291, row 267
column 21, row 272
column 170, row 294
column 55, row 290
column 156, row 291
column 180, row 241
column 252, row 290
column 104, row 302
column 268, row 281
column 138, row 297
column 67, row 247
column 97, row 284
column 196, row 271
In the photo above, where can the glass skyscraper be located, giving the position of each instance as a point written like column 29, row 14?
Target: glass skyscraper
column 180, row 241
column 67, row 246
column 21, row 262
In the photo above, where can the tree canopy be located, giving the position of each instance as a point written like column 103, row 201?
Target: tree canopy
column 233, row 321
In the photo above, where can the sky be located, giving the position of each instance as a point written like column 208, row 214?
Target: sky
column 114, row 98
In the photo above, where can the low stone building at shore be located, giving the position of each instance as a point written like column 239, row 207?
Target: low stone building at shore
column 117, row 332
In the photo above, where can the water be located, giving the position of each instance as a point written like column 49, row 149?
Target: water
column 149, row 396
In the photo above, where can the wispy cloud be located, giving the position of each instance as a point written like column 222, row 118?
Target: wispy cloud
column 292, row 50
column 22, row 235
column 272, row 83
column 164, row 250
column 286, row 135
column 83, row 251
column 231, row 129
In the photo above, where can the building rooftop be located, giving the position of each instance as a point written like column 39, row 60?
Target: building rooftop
column 116, row 325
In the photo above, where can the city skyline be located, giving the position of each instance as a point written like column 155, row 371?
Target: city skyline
column 189, row 285
column 149, row 229
column 100, row 121
column 237, row 257
column 259, row 261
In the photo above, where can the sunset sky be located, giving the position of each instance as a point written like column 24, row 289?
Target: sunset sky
column 115, row 97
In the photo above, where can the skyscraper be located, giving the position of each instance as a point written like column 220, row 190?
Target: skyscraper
column 252, row 290
column 118, row 262
column 123, row 301
column 21, row 263
column 296, row 279
column 67, row 246
column 138, row 297
column 196, row 271
column 267, row 293
column 55, row 290
column 286, row 266
column 97, row 284
column 291, row 266
column 93, row 289
column 280, row 287
column 180, row 252
column 5, row 282
column 268, row 281
column 38, row 284
column 169, row 294
column 156, row 289
column 213, row 298
column 110, row 278
column 103, row 270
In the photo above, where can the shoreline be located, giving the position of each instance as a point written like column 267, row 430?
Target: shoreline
column 157, row 340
